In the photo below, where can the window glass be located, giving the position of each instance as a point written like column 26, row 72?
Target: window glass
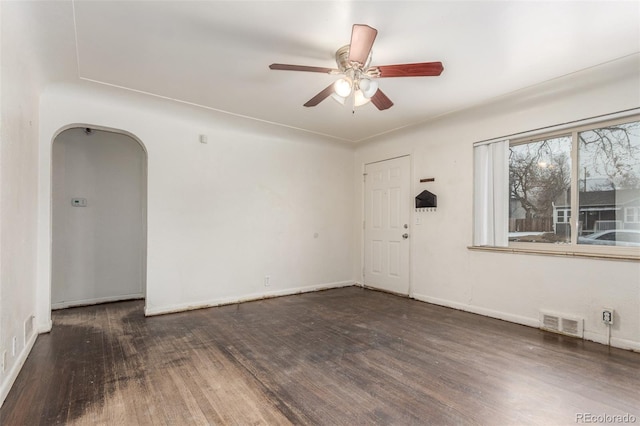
column 609, row 184
column 628, row 236
column 539, row 196
column 607, row 236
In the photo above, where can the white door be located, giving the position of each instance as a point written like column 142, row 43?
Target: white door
column 386, row 226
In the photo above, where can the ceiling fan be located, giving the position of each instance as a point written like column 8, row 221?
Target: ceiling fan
column 358, row 81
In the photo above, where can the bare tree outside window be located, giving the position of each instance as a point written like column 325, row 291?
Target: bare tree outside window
column 539, row 176
column 609, row 184
column 612, row 155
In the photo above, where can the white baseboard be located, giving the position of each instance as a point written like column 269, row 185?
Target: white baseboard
column 531, row 322
column 616, row 342
column 95, row 301
column 160, row 310
column 45, row 328
column 15, row 369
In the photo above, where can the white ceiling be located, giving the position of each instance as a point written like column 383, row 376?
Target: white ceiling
column 216, row 53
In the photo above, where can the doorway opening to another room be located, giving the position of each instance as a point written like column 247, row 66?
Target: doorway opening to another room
column 99, row 210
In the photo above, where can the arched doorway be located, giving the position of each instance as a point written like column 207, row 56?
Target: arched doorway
column 99, row 197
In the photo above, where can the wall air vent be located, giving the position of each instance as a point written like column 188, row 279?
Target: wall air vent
column 550, row 322
column 561, row 323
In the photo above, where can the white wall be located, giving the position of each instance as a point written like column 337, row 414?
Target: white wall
column 256, row 200
column 98, row 250
column 19, row 87
column 263, row 200
column 503, row 285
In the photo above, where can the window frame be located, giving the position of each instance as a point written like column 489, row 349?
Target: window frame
column 572, row 247
column 566, row 213
column 635, row 215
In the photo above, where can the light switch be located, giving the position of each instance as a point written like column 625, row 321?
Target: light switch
column 79, row 202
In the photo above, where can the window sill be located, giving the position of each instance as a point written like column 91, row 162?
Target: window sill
column 631, row 257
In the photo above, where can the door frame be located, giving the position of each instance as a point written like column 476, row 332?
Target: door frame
column 363, row 215
column 145, row 185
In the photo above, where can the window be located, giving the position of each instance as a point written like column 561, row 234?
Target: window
column 563, row 216
column 632, row 215
column 539, row 191
column 608, row 181
column 574, row 189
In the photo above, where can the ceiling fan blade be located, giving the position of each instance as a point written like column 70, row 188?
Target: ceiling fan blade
column 287, row 67
column 362, row 37
column 422, row 69
column 381, row 101
column 320, row 96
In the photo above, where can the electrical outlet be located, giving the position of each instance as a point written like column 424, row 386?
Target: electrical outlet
column 607, row 316
column 267, row 280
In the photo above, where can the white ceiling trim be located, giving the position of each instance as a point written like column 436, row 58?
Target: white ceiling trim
column 190, row 53
column 142, row 92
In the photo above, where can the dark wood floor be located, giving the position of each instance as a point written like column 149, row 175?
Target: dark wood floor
column 344, row 356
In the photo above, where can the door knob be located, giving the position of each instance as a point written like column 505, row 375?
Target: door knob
column 405, row 236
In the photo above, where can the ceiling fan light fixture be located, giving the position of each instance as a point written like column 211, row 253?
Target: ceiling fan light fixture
column 343, row 87
column 359, row 98
column 339, row 99
column 368, row 87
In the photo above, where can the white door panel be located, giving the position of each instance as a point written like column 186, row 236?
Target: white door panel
column 387, row 204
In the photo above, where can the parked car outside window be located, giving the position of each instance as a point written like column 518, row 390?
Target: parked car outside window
column 613, row 237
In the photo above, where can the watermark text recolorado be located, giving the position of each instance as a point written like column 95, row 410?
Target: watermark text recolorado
column 605, row 418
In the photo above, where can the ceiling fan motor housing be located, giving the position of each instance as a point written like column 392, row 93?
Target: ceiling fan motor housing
column 342, row 59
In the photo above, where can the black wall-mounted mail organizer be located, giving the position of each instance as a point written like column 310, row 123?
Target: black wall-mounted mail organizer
column 426, row 201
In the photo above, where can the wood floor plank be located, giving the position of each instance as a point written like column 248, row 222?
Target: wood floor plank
column 336, row 357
